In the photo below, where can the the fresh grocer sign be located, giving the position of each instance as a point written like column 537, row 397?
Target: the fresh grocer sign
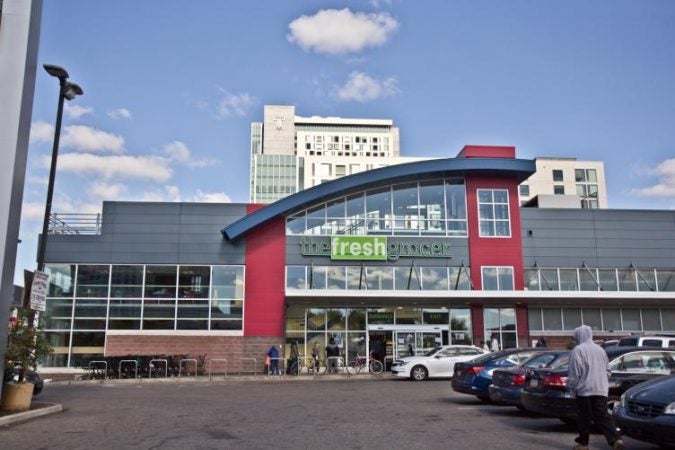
column 373, row 248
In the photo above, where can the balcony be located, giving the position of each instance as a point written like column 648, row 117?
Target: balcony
column 76, row 224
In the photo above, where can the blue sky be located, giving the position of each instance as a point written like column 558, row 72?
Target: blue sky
column 172, row 86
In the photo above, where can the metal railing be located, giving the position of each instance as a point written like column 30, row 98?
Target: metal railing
column 217, row 359
column 151, row 366
column 186, row 360
column 119, row 371
column 75, row 223
column 255, row 365
column 105, row 370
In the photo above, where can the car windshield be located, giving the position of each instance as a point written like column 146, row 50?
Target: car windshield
column 489, row 357
column 432, row 352
column 537, row 361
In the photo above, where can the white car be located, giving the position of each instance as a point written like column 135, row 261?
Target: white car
column 437, row 363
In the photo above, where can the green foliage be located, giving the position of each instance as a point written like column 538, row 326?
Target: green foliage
column 26, row 345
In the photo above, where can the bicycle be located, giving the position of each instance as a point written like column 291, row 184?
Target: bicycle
column 356, row 365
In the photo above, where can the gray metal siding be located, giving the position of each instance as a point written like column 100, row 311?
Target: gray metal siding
column 155, row 233
column 599, row 238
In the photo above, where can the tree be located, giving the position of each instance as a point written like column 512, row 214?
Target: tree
column 26, row 345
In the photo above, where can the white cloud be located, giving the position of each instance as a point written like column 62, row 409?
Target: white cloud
column 665, row 187
column 167, row 194
column 120, row 113
column 152, row 168
column 177, row 151
column 234, row 104
column 82, row 137
column 211, row 197
column 342, row 31
column 41, row 132
column 32, row 210
column 77, row 111
column 361, row 87
column 106, row 191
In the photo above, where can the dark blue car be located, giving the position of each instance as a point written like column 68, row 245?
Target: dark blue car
column 508, row 384
column 474, row 377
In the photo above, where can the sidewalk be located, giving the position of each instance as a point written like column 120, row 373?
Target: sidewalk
column 37, row 409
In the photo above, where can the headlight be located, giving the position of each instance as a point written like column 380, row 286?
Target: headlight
column 402, row 363
column 670, row 409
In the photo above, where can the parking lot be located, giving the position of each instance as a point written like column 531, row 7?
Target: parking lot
column 368, row 412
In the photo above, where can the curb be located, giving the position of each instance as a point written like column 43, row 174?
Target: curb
column 31, row 414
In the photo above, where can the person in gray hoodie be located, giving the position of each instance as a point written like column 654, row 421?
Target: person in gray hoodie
column 588, row 382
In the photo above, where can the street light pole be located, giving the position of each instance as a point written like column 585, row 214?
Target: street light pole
column 67, row 90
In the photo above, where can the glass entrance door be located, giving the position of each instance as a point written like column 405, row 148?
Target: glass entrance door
column 412, row 342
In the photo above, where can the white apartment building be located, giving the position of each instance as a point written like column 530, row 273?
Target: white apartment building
column 565, row 183
column 290, row 153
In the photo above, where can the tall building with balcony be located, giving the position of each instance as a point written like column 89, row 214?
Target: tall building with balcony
column 290, row 153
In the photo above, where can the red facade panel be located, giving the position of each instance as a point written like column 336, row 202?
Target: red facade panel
column 487, row 151
column 494, row 251
column 264, row 310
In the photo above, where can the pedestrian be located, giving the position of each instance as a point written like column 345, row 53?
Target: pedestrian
column 494, row 344
column 541, row 342
column 484, row 346
column 293, row 360
column 332, row 352
column 411, row 349
column 273, row 355
column 588, row 382
column 316, row 352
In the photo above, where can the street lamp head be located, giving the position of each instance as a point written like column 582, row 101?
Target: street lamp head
column 71, row 90
column 56, row 71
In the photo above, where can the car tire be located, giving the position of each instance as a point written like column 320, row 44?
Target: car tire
column 419, row 373
column 37, row 390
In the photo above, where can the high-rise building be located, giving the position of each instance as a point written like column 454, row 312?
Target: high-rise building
column 565, row 182
column 290, row 153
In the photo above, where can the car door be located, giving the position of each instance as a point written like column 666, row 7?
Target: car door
column 440, row 364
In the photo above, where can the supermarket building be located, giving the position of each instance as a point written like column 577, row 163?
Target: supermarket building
column 429, row 251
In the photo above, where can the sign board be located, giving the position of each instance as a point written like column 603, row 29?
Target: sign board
column 38, row 291
column 363, row 248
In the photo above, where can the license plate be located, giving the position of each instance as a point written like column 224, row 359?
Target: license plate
column 534, row 382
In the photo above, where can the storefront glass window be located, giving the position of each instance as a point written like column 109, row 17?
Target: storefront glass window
column 378, row 210
column 296, row 277
column 58, row 314
column 126, row 282
column 534, row 319
column 435, row 317
column 460, row 327
column 587, row 279
column 194, row 282
column 407, row 278
column 568, row 280
column 295, row 318
column 160, row 281
column 552, row 319
column 318, row 278
column 296, row 224
column 356, row 277
column 92, row 281
column 646, row 280
column 381, row 316
column 501, row 323
column 432, row 208
column 607, row 279
column 379, row 278
column 335, row 217
column 336, row 277
column 531, row 279
column 356, row 319
column 592, row 318
column 459, row 278
column 631, row 319
column 627, row 280
column 316, row 219
column 434, row 278
column 549, row 279
column 571, row 318
column 316, row 319
column 61, row 279
column 336, row 319
column 406, row 211
column 611, row 318
column 668, row 318
column 666, row 280
column 651, row 320
column 408, row 316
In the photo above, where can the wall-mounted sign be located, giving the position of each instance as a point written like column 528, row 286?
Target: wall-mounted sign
column 373, row 248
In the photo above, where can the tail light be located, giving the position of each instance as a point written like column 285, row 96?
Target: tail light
column 518, row 380
column 555, row 381
column 475, row 370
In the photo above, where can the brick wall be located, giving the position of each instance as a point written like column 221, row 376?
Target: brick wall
column 232, row 348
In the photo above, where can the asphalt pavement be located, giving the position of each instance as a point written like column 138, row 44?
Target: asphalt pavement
column 356, row 413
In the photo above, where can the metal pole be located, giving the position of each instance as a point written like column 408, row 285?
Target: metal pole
column 52, row 175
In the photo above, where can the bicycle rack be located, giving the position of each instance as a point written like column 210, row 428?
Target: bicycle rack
column 180, row 366
column 217, row 359
column 105, row 370
column 119, row 371
column 255, row 365
column 151, row 365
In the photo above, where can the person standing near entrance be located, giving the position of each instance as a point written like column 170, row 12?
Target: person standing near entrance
column 332, row 351
column 316, row 352
column 494, row 344
column 588, row 381
column 273, row 355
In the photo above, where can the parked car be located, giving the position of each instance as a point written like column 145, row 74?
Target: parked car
column 508, row 384
column 545, row 391
column 474, row 377
column 30, row 377
column 437, row 363
column 647, row 412
column 648, row 340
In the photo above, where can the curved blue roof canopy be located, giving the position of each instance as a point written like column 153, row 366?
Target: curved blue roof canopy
column 520, row 169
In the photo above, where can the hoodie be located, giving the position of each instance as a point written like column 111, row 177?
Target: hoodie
column 588, row 366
